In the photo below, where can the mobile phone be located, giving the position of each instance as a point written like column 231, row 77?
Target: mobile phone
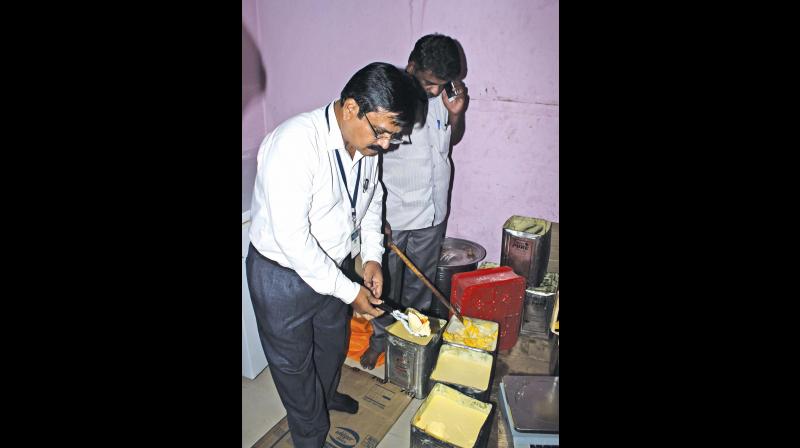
column 450, row 89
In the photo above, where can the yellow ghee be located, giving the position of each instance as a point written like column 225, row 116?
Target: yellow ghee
column 477, row 333
column 464, row 367
column 452, row 416
column 397, row 329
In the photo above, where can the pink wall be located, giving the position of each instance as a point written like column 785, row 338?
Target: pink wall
column 506, row 164
column 254, row 82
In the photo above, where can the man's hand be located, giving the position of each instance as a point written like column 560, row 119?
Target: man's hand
column 457, row 105
column 373, row 278
column 362, row 305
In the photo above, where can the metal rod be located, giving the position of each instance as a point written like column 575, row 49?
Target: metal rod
column 419, row 274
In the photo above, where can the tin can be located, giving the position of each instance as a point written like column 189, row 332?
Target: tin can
column 409, row 364
column 538, row 309
column 526, row 247
column 465, row 361
column 487, row 344
column 422, row 437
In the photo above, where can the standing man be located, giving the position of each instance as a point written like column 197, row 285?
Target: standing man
column 417, row 180
column 315, row 207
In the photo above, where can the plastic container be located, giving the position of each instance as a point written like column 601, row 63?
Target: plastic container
column 495, row 294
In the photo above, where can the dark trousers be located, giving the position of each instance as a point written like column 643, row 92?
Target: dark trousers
column 304, row 336
column 422, row 247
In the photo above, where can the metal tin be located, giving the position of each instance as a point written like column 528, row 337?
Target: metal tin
column 408, row 364
column 476, row 393
column 526, row 247
column 491, row 350
column 421, row 439
column 538, row 308
column 457, row 255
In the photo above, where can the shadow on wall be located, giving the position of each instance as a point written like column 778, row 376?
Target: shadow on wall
column 254, row 77
column 254, row 85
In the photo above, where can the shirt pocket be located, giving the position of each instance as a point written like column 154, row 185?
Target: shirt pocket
column 365, row 200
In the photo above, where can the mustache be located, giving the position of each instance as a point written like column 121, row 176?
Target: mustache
column 377, row 149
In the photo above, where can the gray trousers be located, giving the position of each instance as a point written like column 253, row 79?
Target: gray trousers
column 304, row 336
column 422, row 247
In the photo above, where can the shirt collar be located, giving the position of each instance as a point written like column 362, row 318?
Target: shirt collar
column 335, row 140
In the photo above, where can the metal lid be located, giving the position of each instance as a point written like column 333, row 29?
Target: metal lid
column 458, row 252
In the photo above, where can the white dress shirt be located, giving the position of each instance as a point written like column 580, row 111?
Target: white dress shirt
column 300, row 212
column 417, row 176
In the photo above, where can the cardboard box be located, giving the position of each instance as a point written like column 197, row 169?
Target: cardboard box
column 379, row 407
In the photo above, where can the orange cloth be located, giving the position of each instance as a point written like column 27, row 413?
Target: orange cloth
column 360, row 332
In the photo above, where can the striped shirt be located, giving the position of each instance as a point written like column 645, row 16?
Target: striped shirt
column 417, row 176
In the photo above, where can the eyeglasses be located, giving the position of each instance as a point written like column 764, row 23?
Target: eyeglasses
column 393, row 139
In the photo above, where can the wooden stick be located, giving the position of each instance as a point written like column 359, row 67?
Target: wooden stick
column 416, row 272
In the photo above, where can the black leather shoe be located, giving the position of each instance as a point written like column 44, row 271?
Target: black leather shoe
column 344, row 403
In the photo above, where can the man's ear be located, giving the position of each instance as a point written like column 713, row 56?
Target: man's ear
column 350, row 109
column 410, row 67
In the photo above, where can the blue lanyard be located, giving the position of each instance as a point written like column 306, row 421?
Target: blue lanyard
column 354, row 197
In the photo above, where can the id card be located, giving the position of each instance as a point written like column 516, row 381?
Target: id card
column 355, row 238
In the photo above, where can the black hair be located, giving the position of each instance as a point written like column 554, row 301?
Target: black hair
column 382, row 87
column 439, row 54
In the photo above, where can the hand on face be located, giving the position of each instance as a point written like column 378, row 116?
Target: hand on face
column 458, row 103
